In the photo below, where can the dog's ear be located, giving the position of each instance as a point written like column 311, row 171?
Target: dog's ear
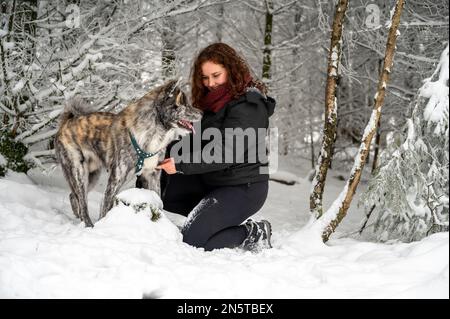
column 180, row 99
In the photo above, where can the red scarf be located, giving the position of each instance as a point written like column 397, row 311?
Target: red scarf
column 215, row 100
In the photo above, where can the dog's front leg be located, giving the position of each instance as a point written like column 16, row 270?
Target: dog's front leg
column 141, row 182
column 149, row 179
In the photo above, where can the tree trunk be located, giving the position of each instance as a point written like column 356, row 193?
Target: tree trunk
column 21, row 31
column 267, row 54
column 288, row 129
column 28, row 16
column 344, row 200
column 220, row 24
column 376, row 150
column 168, row 49
column 378, row 133
column 7, row 22
column 329, row 131
column 311, row 137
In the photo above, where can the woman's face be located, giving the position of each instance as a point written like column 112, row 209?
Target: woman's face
column 213, row 75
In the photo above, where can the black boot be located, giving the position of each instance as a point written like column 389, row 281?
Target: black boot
column 258, row 235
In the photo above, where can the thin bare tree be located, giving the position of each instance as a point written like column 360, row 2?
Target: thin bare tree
column 331, row 219
column 330, row 125
column 267, row 60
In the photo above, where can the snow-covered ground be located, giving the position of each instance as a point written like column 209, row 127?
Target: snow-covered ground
column 46, row 253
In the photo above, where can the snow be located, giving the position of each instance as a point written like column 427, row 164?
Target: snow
column 369, row 129
column 39, row 137
column 330, row 215
column 138, row 196
column 52, row 115
column 3, row 160
column 411, row 132
column 45, row 252
column 285, row 177
column 89, row 58
column 388, row 23
column 18, row 86
column 334, row 57
column 8, row 45
column 437, row 92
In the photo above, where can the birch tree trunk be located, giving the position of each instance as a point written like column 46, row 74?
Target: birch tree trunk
column 329, row 131
column 339, row 209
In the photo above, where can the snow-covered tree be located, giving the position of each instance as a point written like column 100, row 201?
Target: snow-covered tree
column 107, row 52
column 408, row 193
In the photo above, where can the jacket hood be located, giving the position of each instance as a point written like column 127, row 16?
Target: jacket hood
column 253, row 95
column 270, row 104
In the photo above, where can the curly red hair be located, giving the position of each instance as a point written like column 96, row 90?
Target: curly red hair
column 237, row 69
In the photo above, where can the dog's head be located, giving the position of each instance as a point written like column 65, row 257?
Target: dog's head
column 174, row 109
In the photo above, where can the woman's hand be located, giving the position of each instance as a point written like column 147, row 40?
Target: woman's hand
column 168, row 165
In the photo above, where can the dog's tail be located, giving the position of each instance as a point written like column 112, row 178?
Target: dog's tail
column 74, row 107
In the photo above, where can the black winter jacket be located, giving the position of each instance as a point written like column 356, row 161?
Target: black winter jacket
column 250, row 111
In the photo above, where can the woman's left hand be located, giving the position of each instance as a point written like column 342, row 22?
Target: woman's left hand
column 168, row 165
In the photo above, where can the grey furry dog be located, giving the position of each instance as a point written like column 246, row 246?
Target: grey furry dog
column 87, row 142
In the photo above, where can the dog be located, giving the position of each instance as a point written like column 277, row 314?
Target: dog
column 87, row 142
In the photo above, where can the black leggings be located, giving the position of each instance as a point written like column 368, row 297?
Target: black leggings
column 214, row 214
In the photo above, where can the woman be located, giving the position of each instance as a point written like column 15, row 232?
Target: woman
column 218, row 197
